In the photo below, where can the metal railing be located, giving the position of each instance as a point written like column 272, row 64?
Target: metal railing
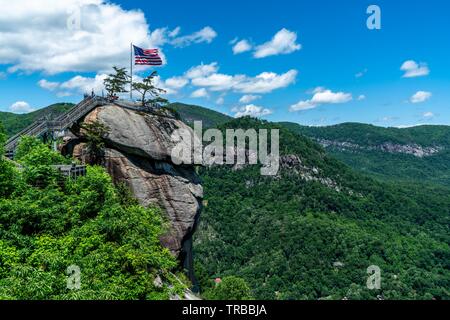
column 62, row 122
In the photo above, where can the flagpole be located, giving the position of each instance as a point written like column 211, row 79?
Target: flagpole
column 131, row 74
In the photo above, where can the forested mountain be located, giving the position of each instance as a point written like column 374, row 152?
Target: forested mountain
column 416, row 154
column 13, row 122
column 191, row 113
column 312, row 231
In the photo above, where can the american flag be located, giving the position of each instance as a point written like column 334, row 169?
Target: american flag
column 149, row 57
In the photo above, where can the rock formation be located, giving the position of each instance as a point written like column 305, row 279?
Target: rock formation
column 138, row 152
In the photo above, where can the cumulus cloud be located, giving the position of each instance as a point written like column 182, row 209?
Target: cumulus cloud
column 248, row 98
column 202, row 70
column 361, row 97
column 413, row 69
column 78, row 35
column 177, row 82
column 242, row 46
column 200, row 93
column 263, row 83
column 80, row 84
column 420, row 96
column 428, row 114
column 207, row 34
column 321, row 96
column 48, row 85
column 21, row 107
column 283, row 42
column 251, row 110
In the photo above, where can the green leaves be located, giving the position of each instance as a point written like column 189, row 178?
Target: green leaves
column 115, row 83
column 147, row 88
column 84, row 222
column 230, row 288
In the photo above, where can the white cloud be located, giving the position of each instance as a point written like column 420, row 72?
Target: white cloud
column 175, row 32
column 207, row 34
column 177, row 82
column 81, row 85
column 361, row 97
column 200, row 93
column 251, row 110
column 263, row 83
column 413, row 69
column 202, row 70
column 420, row 96
column 220, row 100
column 321, row 96
column 267, row 82
column 428, row 115
column 41, row 35
column 21, row 107
column 242, row 46
column 361, row 74
column 48, row 85
column 284, row 42
column 249, row 98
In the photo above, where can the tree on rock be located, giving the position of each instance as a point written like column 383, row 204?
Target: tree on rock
column 150, row 94
column 116, row 83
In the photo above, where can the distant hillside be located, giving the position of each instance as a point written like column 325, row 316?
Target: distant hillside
column 13, row 123
column 311, row 231
column 191, row 113
column 417, row 153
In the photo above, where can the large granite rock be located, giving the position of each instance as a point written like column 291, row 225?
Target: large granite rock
column 176, row 189
column 141, row 134
column 138, row 152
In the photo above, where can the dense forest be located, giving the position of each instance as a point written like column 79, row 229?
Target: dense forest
column 52, row 226
column 289, row 238
column 369, row 159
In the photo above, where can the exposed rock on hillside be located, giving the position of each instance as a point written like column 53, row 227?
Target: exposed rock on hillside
column 411, row 149
column 138, row 152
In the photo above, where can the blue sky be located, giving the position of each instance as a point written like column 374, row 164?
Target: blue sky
column 324, row 66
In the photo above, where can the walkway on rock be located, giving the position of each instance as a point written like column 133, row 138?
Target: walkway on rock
column 61, row 123
column 64, row 121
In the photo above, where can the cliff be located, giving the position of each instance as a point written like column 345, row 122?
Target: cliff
column 138, row 152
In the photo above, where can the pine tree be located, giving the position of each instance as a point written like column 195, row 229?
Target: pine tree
column 115, row 83
column 147, row 89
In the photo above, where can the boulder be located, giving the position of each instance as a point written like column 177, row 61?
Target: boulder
column 138, row 152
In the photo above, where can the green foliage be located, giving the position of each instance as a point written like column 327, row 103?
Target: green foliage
column 84, row 222
column 230, row 288
column 37, row 159
column 115, row 83
column 291, row 238
column 147, row 88
column 7, row 169
column 95, row 133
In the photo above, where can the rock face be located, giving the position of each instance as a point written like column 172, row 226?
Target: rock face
column 410, row 149
column 138, row 152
